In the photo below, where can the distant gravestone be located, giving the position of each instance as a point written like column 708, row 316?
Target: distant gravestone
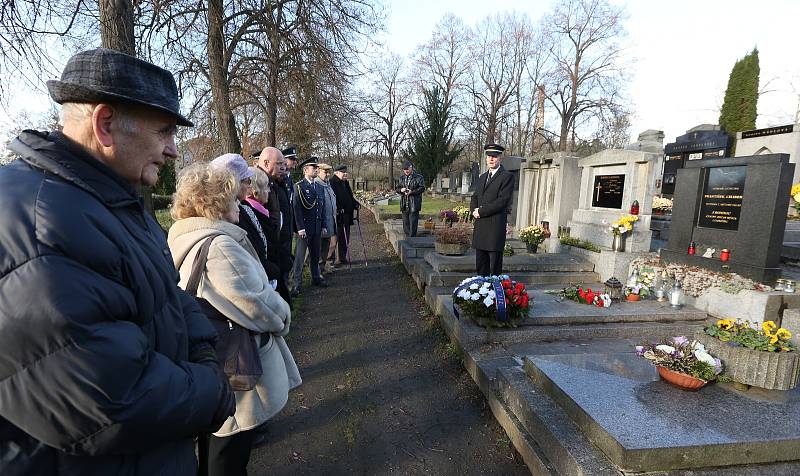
column 475, row 172
column 736, row 203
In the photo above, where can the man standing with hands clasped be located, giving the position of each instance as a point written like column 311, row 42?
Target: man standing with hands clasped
column 490, row 205
column 411, row 187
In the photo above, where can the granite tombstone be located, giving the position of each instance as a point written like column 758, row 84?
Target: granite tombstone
column 736, row 203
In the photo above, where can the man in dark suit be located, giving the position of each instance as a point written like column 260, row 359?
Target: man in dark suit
column 347, row 205
column 411, row 187
column 490, row 205
column 308, row 202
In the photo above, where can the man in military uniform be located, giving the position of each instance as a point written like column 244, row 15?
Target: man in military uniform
column 490, row 206
column 411, row 187
column 309, row 211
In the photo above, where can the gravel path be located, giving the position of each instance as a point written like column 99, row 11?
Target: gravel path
column 383, row 391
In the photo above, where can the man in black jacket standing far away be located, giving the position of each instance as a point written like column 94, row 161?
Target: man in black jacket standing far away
column 411, row 188
column 490, row 205
column 107, row 366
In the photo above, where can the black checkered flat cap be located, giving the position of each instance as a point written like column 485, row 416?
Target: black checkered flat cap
column 103, row 75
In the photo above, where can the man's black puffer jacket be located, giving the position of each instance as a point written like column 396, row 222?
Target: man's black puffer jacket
column 95, row 334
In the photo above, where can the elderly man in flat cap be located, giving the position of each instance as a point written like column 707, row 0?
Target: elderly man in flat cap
column 347, row 206
column 412, row 185
column 490, row 206
column 108, row 367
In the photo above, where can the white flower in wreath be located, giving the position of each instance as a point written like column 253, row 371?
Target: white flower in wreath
column 489, row 301
column 665, row 348
column 464, row 294
column 475, row 297
column 491, row 294
column 483, row 291
column 473, row 286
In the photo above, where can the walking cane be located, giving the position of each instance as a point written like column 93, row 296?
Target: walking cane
column 347, row 247
column 361, row 237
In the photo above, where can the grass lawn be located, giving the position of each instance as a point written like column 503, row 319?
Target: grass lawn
column 163, row 218
column 430, row 206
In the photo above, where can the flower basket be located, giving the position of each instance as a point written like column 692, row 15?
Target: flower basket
column 770, row 370
column 452, row 249
column 428, row 225
column 633, row 297
column 680, row 380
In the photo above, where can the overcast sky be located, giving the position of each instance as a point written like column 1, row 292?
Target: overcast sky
column 681, row 51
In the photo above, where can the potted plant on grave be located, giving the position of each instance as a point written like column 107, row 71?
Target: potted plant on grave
column 637, row 292
column 682, row 363
column 508, row 250
column 463, row 213
column 532, row 236
column 451, row 241
column 619, row 229
column 478, row 298
column 428, row 224
column 795, row 193
column 448, row 217
column 761, row 356
column 662, row 206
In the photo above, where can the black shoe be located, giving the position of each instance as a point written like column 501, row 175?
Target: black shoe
column 321, row 283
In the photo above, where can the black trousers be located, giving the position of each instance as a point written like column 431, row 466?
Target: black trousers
column 342, row 241
column 227, row 456
column 489, row 262
column 410, row 220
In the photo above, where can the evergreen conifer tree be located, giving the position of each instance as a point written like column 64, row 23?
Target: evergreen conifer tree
column 431, row 148
column 738, row 111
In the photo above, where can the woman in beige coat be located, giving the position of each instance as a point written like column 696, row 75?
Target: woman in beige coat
column 235, row 283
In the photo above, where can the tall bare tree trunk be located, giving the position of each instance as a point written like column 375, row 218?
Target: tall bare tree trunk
column 116, row 25
column 218, row 76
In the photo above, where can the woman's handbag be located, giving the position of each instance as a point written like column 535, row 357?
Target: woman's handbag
column 236, row 348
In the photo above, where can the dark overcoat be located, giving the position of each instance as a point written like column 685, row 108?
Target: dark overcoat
column 94, row 331
column 493, row 201
column 345, row 201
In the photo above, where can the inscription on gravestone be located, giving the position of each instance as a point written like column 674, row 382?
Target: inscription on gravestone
column 721, row 204
column 607, row 191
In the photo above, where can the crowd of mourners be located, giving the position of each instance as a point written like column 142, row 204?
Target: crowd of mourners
column 125, row 352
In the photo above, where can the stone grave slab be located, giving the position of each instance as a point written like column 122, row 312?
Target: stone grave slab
column 511, row 264
column 644, row 424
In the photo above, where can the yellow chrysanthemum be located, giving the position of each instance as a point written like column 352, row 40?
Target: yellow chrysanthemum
column 768, row 327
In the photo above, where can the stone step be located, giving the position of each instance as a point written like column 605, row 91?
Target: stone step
column 529, row 279
column 469, row 334
column 559, row 439
column 792, row 225
column 791, row 251
column 539, row 262
column 791, row 236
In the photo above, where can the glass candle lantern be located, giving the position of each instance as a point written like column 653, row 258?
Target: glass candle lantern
column 614, row 289
column 676, row 295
